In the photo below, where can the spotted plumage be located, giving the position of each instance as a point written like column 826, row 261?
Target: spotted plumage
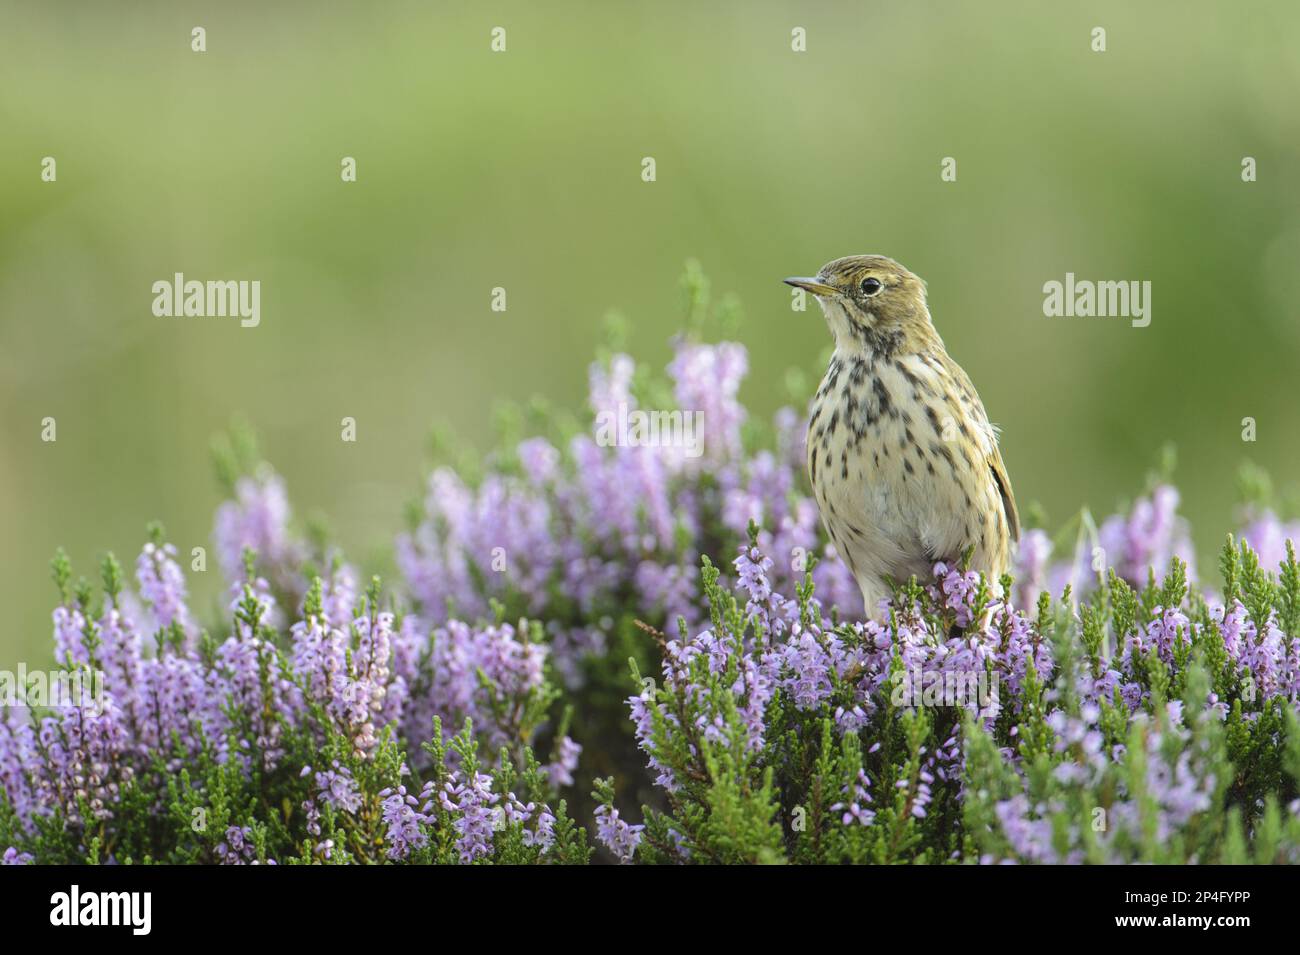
column 904, row 464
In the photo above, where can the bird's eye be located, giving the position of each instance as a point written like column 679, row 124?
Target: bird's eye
column 871, row 286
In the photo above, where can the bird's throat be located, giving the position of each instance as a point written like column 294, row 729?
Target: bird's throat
column 860, row 335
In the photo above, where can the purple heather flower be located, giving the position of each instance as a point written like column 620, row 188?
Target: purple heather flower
column 775, row 614
column 250, row 679
column 1268, row 537
column 400, row 812
column 612, row 531
column 808, row 667
column 858, row 797
column 339, row 789
column 162, row 586
column 560, row 770
column 18, row 756
column 512, row 664
column 238, row 848
column 540, row 460
column 1149, row 537
column 594, row 521
column 611, row 385
column 707, row 379
column 1029, row 835
column 477, row 811
column 543, row 834
column 1031, row 568
column 616, row 835
column 258, row 519
column 959, row 590
column 641, row 707
column 339, row 598
column 69, row 636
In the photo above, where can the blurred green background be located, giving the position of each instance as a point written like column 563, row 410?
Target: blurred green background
column 522, row 170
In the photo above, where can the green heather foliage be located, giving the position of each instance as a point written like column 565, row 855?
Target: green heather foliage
column 1104, row 706
column 1204, row 769
column 774, row 735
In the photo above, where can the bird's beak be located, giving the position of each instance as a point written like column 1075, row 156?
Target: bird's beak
column 812, row 285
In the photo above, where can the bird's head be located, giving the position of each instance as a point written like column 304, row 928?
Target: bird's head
column 871, row 303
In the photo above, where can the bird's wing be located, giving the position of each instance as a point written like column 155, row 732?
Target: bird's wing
column 1004, row 488
column 996, row 466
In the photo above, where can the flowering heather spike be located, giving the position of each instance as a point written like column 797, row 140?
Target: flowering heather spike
column 403, row 821
column 1150, row 536
column 162, row 586
column 1268, row 537
column 258, row 520
column 339, row 599
column 237, row 849
column 566, row 541
column 946, row 652
column 706, row 379
column 338, row 788
column 306, row 724
column 1031, row 566
column 70, row 636
column 560, row 771
column 616, row 835
column 473, row 801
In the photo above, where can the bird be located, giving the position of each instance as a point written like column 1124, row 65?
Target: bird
column 903, row 461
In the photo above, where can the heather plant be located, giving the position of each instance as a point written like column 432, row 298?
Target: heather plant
column 590, row 532
column 316, row 741
column 1143, row 725
column 1101, row 704
column 594, row 535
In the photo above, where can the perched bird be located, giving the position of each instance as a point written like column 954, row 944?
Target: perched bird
column 903, row 461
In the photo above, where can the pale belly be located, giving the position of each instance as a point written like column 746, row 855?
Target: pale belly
column 900, row 476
